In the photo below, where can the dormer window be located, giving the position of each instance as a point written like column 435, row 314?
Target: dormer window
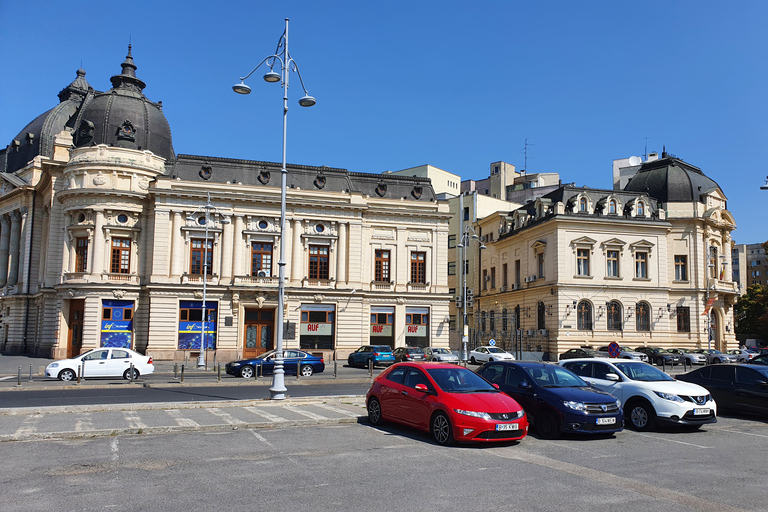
column 612, row 206
column 583, row 205
column 640, row 209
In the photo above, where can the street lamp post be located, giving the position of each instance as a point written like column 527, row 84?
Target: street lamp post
column 463, row 245
column 287, row 64
column 208, row 207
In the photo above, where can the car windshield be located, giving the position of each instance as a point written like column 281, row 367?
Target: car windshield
column 762, row 371
column 495, row 350
column 414, row 351
column 460, row 380
column 554, row 377
column 642, row 371
column 382, row 348
column 440, row 351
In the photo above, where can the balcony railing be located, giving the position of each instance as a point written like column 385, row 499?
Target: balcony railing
column 256, row 281
column 75, row 276
column 382, row 285
column 198, row 279
column 317, row 283
column 121, row 278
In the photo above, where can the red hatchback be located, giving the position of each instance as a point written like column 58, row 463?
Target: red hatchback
column 451, row 402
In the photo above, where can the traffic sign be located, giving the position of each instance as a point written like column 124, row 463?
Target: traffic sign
column 614, row 350
column 492, row 342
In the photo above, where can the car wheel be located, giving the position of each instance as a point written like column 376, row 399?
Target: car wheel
column 374, row 412
column 246, row 372
column 67, row 375
column 547, row 426
column 351, row 362
column 307, row 370
column 641, row 415
column 442, row 430
column 472, row 360
column 127, row 374
column 716, row 361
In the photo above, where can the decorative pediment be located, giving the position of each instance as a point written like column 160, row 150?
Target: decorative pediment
column 539, row 246
column 614, row 242
column 641, row 245
column 584, row 240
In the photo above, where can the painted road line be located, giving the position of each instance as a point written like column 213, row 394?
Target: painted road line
column 181, row 420
column 225, row 416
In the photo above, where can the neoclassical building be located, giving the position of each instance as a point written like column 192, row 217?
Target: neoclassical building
column 109, row 238
column 646, row 265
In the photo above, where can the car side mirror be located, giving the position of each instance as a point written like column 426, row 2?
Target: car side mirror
column 612, row 376
column 762, row 383
column 524, row 385
column 495, row 385
column 423, row 388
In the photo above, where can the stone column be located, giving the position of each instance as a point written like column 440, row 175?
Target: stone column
column 237, row 241
column 297, row 253
column 341, row 256
column 13, row 249
column 226, row 253
column 177, row 245
column 98, row 244
column 5, row 237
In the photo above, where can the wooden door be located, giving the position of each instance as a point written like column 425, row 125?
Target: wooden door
column 75, row 336
column 258, row 332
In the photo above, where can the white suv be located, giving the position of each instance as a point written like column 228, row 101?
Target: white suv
column 647, row 394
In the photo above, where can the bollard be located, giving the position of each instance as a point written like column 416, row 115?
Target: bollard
column 30, row 373
column 370, row 367
column 663, row 365
column 78, row 374
column 219, row 374
column 19, row 381
column 335, row 369
column 82, row 370
column 175, row 371
column 182, row 373
column 131, row 370
column 257, row 373
column 214, row 362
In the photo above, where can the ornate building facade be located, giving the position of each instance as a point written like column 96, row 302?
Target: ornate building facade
column 107, row 238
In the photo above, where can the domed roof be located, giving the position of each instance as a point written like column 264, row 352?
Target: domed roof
column 671, row 180
column 124, row 117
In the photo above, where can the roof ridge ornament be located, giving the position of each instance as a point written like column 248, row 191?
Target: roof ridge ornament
column 127, row 79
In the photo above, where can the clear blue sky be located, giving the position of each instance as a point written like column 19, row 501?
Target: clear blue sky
column 457, row 85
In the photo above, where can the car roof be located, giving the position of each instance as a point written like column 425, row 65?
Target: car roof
column 604, row 359
column 427, row 364
column 526, row 364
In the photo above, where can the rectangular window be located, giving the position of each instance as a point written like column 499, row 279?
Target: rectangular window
column 641, row 265
column 81, row 254
column 683, row 319
column 318, row 262
column 493, row 278
column 712, row 262
column 504, row 282
column 381, row 268
column 540, row 259
column 681, row 268
column 451, row 241
column 612, row 259
column 452, row 325
column 517, row 273
column 121, row 256
column 261, row 259
column 200, row 252
column 451, row 268
column 582, row 262
column 485, row 279
column 419, row 267
column 466, row 213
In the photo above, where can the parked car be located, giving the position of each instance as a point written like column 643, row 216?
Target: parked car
column 581, row 352
column 101, row 362
column 440, row 355
column 627, row 353
column 742, row 388
column 447, row 400
column 265, row 364
column 659, row 356
column 555, row 399
column 408, row 354
column 648, row 395
column 486, row 354
column 377, row 354
column 762, row 359
column 743, row 355
column 715, row 356
column 688, row 357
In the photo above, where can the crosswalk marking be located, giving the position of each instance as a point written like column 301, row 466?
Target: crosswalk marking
column 181, row 420
column 133, row 420
column 337, row 410
column 29, row 425
column 225, row 416
column 308, row 414
column 265, row 415
column 84, row 422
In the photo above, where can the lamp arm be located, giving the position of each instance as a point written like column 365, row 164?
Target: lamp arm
column 295, row 66
column 259, row 65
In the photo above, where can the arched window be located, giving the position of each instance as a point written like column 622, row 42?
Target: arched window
column 643, row 316
column 584, row 316
column 613, row 315
column 612, row 206
column 583, row 204
column 640, row 209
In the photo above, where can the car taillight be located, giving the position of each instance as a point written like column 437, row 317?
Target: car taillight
column 150, row 360
column 376, row 354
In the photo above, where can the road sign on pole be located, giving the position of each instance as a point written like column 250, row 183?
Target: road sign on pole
column 614, row 350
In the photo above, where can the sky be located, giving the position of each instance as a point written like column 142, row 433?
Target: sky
column 457, row 85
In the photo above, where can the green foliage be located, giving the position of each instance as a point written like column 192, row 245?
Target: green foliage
column 752, row 312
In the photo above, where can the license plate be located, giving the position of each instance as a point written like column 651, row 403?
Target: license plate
column 606, row 421
column 702, row 411
column 508, row 426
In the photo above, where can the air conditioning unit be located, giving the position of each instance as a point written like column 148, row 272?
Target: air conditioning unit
column 531, row 332
column 527, row 279
column 503, row 288
column 261, row 273
column 532, row 278
column 487, row 278
column 543, row 332
column 515, row 286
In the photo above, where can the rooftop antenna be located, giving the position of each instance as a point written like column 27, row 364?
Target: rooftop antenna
column 525, row 151
column 645, row 155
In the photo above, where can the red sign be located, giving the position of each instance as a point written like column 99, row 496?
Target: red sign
column 710, row 303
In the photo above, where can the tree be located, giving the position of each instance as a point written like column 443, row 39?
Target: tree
column 752, row 312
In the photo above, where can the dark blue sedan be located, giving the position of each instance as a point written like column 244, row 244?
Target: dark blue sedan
column 293, row 360
column 556, row 401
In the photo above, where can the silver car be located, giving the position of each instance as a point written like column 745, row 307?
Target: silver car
column 716, row 357
column 689, row 357
column 743, row 355
column 627, row 353
column 441, row 355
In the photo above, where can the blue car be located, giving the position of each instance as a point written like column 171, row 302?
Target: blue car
column 556, row 401
column 377, row 354
column 293, row 360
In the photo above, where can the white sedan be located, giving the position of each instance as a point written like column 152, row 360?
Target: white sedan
column 101, row 362
column 487, row 354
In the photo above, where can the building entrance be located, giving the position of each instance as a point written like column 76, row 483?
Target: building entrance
column 259, row 332
column 75, row 335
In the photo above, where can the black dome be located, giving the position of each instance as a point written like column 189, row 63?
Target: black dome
column 671, row 180
column 124, row 117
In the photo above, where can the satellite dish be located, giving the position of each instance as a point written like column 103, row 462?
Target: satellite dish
column 635, row 160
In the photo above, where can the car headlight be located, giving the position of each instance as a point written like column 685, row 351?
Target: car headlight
column 483, row 415
column 618, row 403
column 53, row 365
column 578, row 406
column 669, row 396
column 235, row 364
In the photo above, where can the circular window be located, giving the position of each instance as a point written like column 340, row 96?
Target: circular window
column 263, row 224
column 81, row 217
column 122, row 218
column 319, row 228
column 201, row 220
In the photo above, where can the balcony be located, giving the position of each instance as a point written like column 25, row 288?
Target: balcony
column 418, row 287
column 317, row 283
column 256, row 281
column 211, row 279
column 121, row 278
column 74, row 277
column 384, row 286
